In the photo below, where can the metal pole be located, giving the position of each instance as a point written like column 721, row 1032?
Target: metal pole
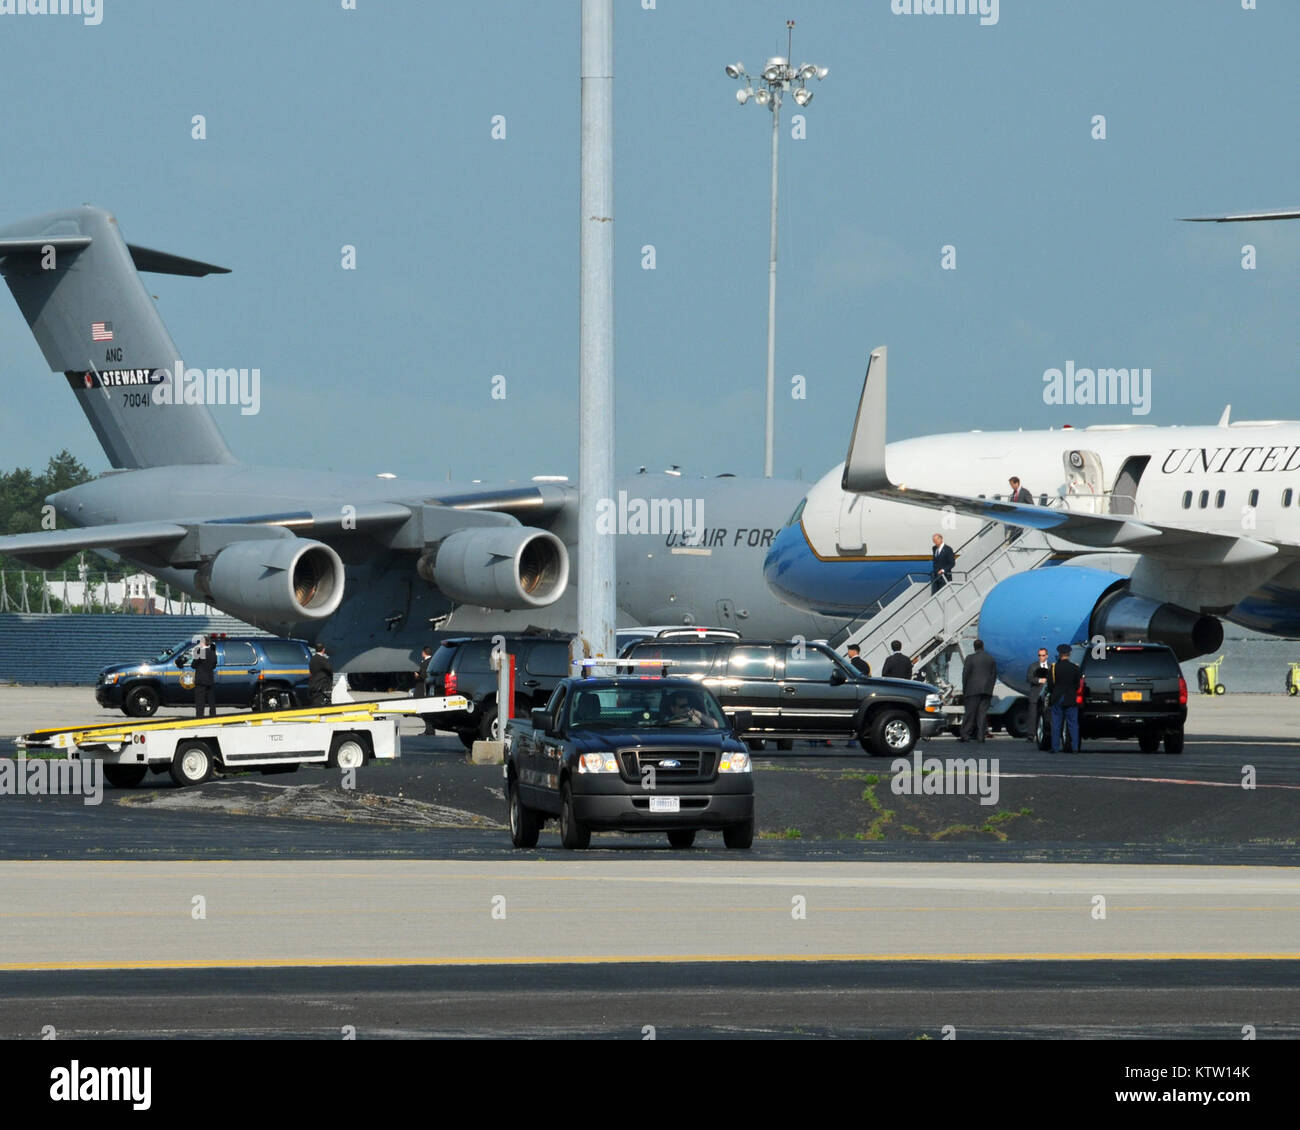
column 597, row 607
column 769, row 447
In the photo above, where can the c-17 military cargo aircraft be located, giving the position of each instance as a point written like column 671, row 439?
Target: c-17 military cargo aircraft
column 368, row 565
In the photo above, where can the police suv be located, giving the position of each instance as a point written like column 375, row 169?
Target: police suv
column 260, row 672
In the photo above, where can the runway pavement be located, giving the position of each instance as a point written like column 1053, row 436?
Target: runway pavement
column 1109, row 894
column 110, row 914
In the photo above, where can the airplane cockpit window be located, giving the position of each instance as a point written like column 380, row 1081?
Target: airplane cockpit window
column 798, row 512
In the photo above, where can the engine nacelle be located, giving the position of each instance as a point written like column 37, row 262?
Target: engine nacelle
column 505, row 567
column 280, row 580
column 1070, row 604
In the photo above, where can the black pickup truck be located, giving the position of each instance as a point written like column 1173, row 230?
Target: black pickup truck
column 628, row 754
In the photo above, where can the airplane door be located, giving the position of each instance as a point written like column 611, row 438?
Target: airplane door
column 1084, row 484
column 848, row 530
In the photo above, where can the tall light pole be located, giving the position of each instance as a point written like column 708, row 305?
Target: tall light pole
column 597, row 602
column 777, row 77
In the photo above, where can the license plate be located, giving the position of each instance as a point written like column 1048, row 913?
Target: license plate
column 665, row 804
column 1131, row 696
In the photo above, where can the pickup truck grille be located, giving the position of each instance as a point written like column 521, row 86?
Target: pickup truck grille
column 692, row 764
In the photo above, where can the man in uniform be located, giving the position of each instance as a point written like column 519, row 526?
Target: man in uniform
column 204, row 665
column 320, row 677
column 1063, row 695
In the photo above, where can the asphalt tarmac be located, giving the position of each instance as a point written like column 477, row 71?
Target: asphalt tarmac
column 399, row 907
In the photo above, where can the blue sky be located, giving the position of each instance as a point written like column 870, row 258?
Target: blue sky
column 373, row 128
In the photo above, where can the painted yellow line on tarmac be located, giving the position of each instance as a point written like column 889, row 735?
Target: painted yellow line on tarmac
column 624, row 959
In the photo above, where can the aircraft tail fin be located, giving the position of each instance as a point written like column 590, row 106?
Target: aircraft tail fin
column 76, row 282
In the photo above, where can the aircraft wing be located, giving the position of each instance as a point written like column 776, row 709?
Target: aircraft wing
column 49, row 547
column 865, row 473
column 183, row 541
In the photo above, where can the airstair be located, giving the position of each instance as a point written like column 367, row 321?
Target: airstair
column 929, row 623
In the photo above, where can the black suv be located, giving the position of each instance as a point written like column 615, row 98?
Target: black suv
column 798, row 690
column 463, row 665
column 252, row 671
column 1134, row 690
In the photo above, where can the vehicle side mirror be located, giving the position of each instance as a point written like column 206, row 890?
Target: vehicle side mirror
column 838, row 678
column 742, row 721
column 540, row 718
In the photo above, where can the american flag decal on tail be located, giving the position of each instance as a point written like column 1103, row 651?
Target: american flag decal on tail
column 101, row 331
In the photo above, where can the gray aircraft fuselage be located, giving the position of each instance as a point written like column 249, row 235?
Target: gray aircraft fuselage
column 388, row 612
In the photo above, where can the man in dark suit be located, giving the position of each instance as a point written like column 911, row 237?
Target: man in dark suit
column 421, row 689
column 979, row 674
column 1018, row 494
column 1036, row 676
column 1063, row 695
column 897, row 666
column 320, row 677
column 942, row 561
column 856, row 660
column 204, row 664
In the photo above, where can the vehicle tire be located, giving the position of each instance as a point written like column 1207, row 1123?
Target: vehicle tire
column 740, row 835
column 347, row 752
column 467, row 738
column 488, row 731
column 1043, row 731
column 1219, row 688
column 1150, row 742
column 574, row 834
column 192, row 764
column 785, row 743
column 1017, row 720
column 893, row 734
column 140, row 702
column 1292, row 689
column 1173, row 741
column 756, row 743
column 524, row 825
column 125, row 776
column 682, row 837
column 274, row 698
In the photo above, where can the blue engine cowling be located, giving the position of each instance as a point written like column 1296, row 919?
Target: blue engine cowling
column 1071, row 604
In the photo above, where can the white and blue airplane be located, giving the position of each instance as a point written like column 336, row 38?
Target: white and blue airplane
column 1162, row 532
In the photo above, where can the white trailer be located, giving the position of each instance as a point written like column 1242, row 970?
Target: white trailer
column 192, row 750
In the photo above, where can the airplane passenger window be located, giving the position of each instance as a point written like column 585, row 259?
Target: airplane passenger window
column 1187, row 500
column 1286, row 497
column 1218, row 500
column 1204, row 500
column 1253, row 498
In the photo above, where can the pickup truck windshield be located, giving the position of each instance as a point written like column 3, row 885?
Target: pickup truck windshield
column 643, row 708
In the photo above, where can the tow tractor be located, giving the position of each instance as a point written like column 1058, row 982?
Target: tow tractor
column 192, row 750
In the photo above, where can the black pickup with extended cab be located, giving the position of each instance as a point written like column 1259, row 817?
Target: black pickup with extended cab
column 628, row 754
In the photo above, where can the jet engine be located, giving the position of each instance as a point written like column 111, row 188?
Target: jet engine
column 1069, row 604
column 277, row 580
column 505, row 567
